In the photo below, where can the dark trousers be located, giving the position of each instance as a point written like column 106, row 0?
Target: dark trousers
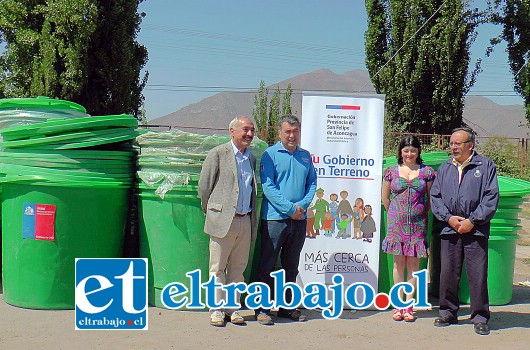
column 285, row 238
column 454, row 250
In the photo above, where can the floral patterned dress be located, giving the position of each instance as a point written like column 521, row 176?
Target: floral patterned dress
column 407, row 213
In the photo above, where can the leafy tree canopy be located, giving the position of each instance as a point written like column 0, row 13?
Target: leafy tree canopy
column 417, row 53
column 83, row 51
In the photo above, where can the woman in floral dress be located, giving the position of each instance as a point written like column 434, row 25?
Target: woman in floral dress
column 405, row 195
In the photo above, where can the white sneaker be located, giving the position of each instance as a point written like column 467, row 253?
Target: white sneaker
column 264, row 319
column 236, row 318
column 217, row 318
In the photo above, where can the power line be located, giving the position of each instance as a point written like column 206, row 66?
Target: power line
column 515, row 76
column 262, row 55
column 241, row 90
column 217, row 88
column 319, row 55
column 245, row 39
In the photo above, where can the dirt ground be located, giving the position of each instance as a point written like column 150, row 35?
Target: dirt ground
column 510, row 327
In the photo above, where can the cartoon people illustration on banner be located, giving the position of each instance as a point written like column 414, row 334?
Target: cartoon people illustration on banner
column 328, row 224
column 345, row 208
column 343, row 226
column 310, row 230
column 321, row 206
column 340, row 217
column 334, row 209
column 358, row 217
column 368, row 224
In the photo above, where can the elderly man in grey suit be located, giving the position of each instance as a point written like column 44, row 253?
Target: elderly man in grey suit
column 227, row 188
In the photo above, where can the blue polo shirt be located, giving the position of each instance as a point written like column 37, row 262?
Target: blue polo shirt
column 287, row 179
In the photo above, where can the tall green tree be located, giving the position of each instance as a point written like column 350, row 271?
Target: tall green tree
column 417, row 53
column 259, row 112
column 79, row 50
column 286, row 102
column 266, row 113
column 274, row 115
column 514, row 16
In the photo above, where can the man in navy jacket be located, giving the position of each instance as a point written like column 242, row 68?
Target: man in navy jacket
column 464, row 196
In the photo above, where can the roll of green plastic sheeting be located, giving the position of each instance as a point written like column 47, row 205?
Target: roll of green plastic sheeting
column 75, row 155
column 52, row 174
column 510, row 202
column 60, row 126
column 497, row 221
column 510, row 187
column 24, row 111
column 507, row 213
column 40, row 103
column 97, row 167
column 75, row 140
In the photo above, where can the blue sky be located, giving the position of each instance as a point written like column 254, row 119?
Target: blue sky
column 200, row 47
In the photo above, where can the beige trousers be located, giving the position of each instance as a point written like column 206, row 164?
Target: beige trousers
column 229, row 255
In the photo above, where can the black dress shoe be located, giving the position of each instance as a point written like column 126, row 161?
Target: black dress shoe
column 482, row 328
column 444, row 322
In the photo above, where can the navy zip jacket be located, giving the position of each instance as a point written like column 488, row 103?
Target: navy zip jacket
column 475, row 198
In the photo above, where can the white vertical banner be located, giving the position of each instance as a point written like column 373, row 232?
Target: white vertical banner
column 345, row 138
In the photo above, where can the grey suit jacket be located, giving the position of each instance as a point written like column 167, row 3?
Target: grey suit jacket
column 218, row 190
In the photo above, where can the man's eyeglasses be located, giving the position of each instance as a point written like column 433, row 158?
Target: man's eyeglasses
column 457, row 144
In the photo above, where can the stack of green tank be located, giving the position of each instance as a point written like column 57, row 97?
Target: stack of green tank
column 171, row 221
column 54, row 154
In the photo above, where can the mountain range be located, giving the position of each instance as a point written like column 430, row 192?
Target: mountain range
column 485, row 116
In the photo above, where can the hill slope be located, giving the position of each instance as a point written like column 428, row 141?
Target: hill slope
column 485, row 116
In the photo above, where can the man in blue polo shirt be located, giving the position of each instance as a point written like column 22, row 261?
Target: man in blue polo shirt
column 289, row 182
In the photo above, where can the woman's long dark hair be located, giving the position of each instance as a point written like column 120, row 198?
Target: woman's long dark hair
column 409, row 140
